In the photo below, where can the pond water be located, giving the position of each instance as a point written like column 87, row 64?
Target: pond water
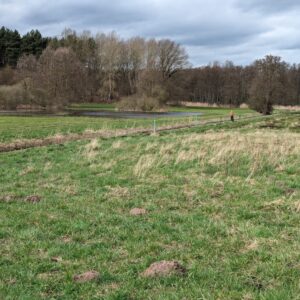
column 134, row 115
column 104, row 114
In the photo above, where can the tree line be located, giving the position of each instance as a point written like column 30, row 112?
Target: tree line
column 269, row 78
column 145, row 73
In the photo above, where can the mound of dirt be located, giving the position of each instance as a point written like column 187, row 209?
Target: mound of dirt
column 164, row 268
column 138, row 211
column 66, row 239
column 87, row 276
column 7, row 198
column 56, row 259
column 12, row 198
column 33, row 199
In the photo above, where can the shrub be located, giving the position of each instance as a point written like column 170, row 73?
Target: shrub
column 39, row 97
column 244, row 105
column 18, row 95
column 139, row 103
column 11, row 96
column 160, row 93
column 7, row 76
column 261, row 105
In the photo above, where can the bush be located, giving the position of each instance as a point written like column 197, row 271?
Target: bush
column 160, row 93
column 11, row 96
column 7, row 76
column 244, row 105
column 261, row 105
column 39, row 97
column 18, row 95
column 139, row 103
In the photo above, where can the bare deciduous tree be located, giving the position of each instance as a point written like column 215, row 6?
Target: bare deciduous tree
column 172, row 57
column 87, row 68
column 268, row 84
column 108, row 47
column 59, row 73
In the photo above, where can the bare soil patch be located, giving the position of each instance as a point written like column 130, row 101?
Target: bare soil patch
column 7, row 198
column 12, row 198
column 33, row 199
column 87, row 276
column 56, row 259
column 164, row 268
column 138, row 212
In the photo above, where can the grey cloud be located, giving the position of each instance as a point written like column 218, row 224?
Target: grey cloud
column 268, row 6
column 84, row 13
column 237, row 30
column 206, row 34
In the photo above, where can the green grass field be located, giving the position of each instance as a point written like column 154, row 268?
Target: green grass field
column 206, row 110
column 92, row 106
column 223, row 200
column 14, row 128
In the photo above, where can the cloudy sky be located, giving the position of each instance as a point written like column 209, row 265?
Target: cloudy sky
column 237, row 30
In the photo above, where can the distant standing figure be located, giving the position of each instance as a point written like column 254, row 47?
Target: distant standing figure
column 232, row 116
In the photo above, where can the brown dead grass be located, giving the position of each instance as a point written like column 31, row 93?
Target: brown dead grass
column 138, row 211
column 258, row 148
column 251, row 246
column 117, row 144
column 91, row 149
column 226, row 147
column 274, row 204
column 29, row 169
column 289, row 107
column 297, row 206
column 164, row 268
column 144, row 164
column 87, row 276
column 118, row 192
column 61, row 139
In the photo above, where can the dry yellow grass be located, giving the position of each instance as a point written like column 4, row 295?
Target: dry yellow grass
column 226, row 147
column 297, row 206
column 151, row 146
column 289, row 107
column 27, row 170
column 259, row 148
column 145, row 163
column 91, row 149
column 166, row 149
column 252, row 245
column 108, row 165
column 117, row 144
column 118, row 192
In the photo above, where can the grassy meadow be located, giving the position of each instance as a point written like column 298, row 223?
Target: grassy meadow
column 223, row 200
column 206, row 110
column 32, row 127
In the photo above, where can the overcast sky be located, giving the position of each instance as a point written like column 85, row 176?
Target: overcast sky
column 211, row 30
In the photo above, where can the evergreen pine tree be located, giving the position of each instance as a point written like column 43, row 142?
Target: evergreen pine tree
column 2, row 45
column 33, row 43
column 13, row 47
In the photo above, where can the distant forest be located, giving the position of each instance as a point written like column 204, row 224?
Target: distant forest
column 52, row 72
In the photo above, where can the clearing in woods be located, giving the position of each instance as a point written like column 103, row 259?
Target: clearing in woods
column 222, row 200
